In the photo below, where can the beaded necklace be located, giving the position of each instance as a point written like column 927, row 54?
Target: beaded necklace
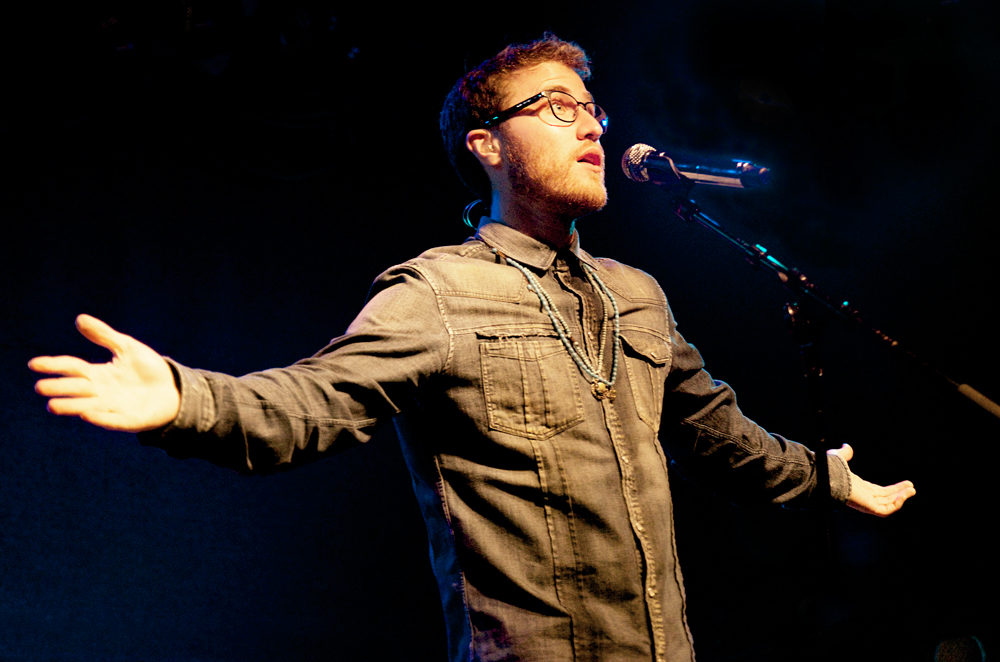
column 601, row 388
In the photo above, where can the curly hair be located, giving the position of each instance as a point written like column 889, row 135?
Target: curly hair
column 477, row 95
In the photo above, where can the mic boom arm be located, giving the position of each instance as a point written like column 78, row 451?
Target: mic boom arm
column 794, row 279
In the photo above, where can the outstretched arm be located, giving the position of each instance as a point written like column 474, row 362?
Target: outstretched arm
column 871, row 498
column 714, row 443
column 133, row 392
column 269, row 420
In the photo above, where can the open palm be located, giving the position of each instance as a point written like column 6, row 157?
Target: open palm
column 135, row 391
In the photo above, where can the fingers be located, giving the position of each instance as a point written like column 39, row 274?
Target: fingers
column 59, row 365
column 70, row 406
column 898, row 499
column 100, row 333
column 878, row 500
column 62, row 387
column 903, row 493
column 89, row 410
column 68, row 396
column 93, row 330
column 902, row 486
column 893, row 493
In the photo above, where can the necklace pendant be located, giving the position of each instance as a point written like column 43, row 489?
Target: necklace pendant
column 602, row 391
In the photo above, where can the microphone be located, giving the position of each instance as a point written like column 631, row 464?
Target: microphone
column 642, row 163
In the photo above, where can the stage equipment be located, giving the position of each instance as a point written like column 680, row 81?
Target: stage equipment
column 642, row 163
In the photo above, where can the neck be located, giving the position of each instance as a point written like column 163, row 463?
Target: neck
column 533, row 221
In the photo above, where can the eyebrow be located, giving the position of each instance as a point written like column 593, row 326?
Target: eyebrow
column 563, row 88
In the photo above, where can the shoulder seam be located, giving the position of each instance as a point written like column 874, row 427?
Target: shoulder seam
column 444, row 317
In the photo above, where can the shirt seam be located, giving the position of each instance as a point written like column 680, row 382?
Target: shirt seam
column 718, row 434
column 438, row 299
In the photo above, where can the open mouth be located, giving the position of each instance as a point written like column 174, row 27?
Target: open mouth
column 591, row 157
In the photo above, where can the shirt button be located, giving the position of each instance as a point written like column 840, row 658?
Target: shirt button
column 625, row 459
column 651, row 591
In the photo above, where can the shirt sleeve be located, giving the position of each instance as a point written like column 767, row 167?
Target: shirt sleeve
column 714, row 444
column 276, row 419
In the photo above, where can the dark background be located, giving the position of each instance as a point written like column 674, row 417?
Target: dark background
column 223, row 180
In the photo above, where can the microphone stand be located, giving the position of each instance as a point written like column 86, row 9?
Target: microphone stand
column 806, row 332
column 795, row 280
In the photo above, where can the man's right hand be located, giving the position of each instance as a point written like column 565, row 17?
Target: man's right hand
column 133, row 392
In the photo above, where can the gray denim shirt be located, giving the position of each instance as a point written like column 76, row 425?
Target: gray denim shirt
column 548, row 510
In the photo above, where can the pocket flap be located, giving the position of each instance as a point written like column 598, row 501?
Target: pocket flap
column 651, row 346
column 512, row 331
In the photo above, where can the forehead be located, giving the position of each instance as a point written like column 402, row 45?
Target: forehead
column 527, row 82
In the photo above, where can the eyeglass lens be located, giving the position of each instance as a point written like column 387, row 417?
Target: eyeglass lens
column 565, row 107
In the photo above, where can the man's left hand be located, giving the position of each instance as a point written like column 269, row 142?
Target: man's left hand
column 869, row 497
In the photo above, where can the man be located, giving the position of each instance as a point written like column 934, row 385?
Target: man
column 534, row 388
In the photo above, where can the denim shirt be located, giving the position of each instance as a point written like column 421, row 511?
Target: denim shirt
column 548, row 510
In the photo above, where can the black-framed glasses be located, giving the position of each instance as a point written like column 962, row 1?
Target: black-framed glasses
column 564, row 107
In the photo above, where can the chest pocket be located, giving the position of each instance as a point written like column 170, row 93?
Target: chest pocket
column 647, row 359
column 531, row 385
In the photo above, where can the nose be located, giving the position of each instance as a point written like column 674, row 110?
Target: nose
column 588, row 128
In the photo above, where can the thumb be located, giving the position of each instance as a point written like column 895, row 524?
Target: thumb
column 100, row 333
column 845, row 452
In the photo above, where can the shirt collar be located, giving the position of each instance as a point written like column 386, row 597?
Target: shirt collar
column 524, row 249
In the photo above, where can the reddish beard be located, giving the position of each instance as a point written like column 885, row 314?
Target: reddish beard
column 551, row 186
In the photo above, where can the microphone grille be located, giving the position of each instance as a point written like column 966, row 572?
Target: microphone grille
column 633, row 162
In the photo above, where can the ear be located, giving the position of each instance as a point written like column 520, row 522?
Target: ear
column 484, row 146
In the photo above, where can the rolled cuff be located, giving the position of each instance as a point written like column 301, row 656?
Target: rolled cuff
column 840, row 478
